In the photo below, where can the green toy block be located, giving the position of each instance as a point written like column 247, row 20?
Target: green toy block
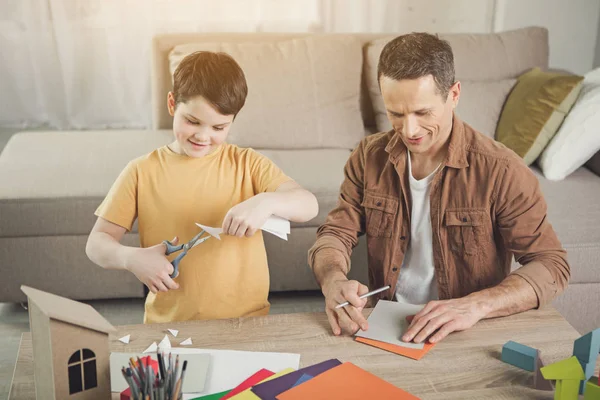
column 566, row 389
column 588, row 370
column 592, row 389
column 519, row 355
column 587, row 347
column 567, row 369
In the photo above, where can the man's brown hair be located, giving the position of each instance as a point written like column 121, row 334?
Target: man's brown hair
column 416, row 55
column 215, row 76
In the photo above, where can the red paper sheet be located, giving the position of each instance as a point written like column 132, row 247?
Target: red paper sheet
column 248, row 383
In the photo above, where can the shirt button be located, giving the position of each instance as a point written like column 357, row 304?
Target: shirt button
column 402, row 237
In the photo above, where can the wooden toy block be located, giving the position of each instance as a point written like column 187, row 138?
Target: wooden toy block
column 588, row 370
column 539, row 382
column 566, row 389
column 587, row 347
column 592, row 389
column 567, row 369
column 519, row 355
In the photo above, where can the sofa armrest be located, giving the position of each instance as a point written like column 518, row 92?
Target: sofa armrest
column 593, row 164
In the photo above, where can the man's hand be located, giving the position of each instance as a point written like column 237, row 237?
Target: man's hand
column 444, row 316
column 347, row 319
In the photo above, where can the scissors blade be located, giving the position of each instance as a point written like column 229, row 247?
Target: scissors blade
column 200, row 241
column 214, row 232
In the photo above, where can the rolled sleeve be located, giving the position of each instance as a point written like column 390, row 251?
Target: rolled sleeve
column 522, row 221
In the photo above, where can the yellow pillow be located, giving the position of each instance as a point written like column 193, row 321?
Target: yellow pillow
column 535, row 109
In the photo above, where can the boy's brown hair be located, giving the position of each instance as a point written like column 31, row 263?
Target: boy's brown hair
column 415, row 55
column 215, row 76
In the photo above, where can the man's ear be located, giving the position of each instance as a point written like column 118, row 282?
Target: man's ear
column 171, row 104
column 454, row 94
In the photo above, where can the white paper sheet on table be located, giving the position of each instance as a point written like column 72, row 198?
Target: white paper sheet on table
column 277, row 226
column 387, row 323
column 229, row 368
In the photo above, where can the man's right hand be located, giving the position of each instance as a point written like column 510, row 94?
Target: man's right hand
column 348, row 319
column 152, row 268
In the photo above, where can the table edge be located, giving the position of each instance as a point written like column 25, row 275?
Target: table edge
column 12, row 381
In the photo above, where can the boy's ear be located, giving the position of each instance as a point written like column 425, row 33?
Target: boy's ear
column 171, row 104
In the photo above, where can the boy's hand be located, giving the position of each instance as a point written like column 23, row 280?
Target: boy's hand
column 152, row 268
column 248, row 216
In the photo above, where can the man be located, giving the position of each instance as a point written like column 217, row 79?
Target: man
column 444, row 209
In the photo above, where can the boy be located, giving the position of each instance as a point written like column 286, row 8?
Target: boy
column 199, row 178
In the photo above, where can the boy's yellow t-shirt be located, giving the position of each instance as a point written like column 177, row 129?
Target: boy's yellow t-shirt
column 168, row 193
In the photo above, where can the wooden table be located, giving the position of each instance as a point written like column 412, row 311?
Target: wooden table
column 466, row 365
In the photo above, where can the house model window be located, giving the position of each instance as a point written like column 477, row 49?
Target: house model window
column 82, row 371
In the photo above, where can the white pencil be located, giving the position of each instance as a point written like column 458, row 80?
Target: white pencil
column 365, row 295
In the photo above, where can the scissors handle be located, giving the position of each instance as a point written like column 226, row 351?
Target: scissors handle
column 175, row 264
column 171, row 248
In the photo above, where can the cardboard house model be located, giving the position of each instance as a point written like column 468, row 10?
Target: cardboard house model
column 70, row 348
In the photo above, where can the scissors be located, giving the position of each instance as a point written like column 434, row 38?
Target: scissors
column 171, row 248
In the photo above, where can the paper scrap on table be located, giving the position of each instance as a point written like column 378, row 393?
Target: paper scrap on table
column 387, row 323
column 186, row 342
column 277, row 226
column 165, row 344
column 230, row 367
column 174, row 332
column 125, row 339
column 152, row 348
column 197, row 370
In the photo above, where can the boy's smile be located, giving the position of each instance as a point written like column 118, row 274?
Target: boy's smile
column 198, row 127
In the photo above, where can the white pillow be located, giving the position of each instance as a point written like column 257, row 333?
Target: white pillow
column 578, row 138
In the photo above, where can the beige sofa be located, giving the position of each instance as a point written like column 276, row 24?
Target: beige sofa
column 312, row 98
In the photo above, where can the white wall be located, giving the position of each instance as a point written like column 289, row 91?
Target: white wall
column 572, row 26
column 66, row 66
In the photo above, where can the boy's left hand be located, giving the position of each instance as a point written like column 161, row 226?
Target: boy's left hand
column 247, row 217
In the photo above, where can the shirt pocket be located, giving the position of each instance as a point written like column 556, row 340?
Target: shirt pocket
column 465, row 229
column 380, row 214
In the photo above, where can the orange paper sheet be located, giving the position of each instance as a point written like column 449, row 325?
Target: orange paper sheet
column 347, row 382
column 415, row 354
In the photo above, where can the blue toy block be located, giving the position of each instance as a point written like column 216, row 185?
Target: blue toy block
column 519, row 355
column 588, row 370
column 587, row 347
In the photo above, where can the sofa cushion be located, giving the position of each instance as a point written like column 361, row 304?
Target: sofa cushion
column 302, row 93
column 480, row 103
column 58, row 193
column 534, row 110
column 52, row 182
column 484, row 58
column 319, row 171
